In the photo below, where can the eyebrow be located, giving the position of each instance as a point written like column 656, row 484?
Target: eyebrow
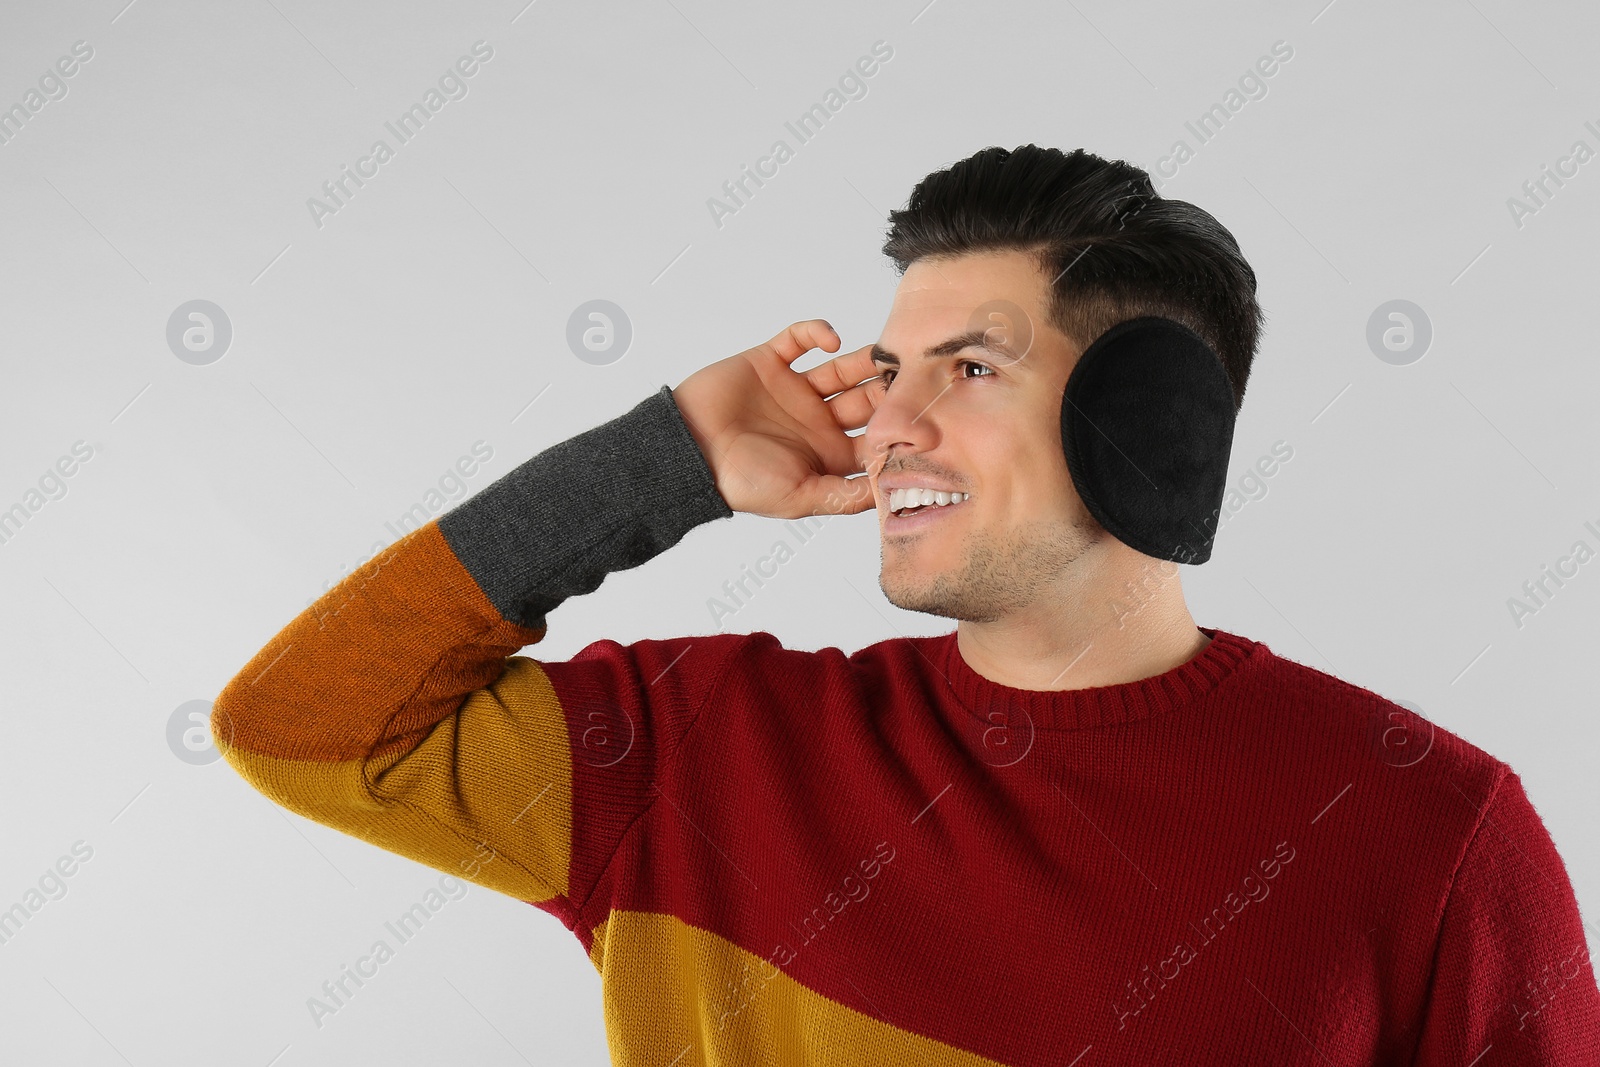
column 949, row 347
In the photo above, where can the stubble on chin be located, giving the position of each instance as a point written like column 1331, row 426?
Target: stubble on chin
column 994, row 579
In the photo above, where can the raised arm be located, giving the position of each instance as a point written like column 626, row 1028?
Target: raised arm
column 393, row 708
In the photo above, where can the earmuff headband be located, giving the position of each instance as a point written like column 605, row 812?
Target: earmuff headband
column 1147, row 426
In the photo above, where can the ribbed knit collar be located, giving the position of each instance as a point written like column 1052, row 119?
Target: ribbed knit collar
column 1076, row 709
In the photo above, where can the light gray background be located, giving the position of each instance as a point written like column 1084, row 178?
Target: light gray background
column 368, row 354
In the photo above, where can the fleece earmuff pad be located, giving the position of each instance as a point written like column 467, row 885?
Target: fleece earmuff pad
column 1147, row 425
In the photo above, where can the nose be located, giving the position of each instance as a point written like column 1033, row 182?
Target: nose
column 905, row 420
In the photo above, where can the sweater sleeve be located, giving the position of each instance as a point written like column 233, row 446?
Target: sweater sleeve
column 1513, row 979
column 394, row 710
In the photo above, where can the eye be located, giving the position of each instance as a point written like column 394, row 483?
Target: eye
column 884, row 376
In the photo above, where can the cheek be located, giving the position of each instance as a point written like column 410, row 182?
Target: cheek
column 1047, row 464
column 1050, row 486
column 1026, row 479
column 1054, row 491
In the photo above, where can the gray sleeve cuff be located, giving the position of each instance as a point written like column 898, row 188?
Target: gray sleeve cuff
column 608, row 499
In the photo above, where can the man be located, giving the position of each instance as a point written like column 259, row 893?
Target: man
column 1077, row 829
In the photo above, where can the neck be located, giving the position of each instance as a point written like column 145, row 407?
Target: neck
column 1116, row 617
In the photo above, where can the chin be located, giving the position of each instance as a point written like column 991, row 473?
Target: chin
column 913, row 589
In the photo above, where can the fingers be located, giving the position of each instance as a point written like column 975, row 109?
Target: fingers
column 801, row 338
column 848, row 381
column 853, row 407
column 842, row 372
column 837, row 374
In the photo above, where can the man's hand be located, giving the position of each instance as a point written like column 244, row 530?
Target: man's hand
column 774, row 444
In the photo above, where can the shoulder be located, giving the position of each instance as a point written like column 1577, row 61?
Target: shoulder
column 1384, row 780
column 1389, row 731
column 1386, row 789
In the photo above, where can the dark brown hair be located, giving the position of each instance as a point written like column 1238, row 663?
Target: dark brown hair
column 1113, row 247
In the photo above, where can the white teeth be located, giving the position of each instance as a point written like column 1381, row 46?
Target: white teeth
column 907, row 498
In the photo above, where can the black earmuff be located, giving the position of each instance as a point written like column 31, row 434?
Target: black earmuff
column 1147, row 425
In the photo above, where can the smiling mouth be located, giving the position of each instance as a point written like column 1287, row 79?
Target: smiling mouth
column 907, row 522
column 921, row 509
column 904, row 502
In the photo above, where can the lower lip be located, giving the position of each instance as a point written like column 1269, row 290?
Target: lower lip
column 926, row 516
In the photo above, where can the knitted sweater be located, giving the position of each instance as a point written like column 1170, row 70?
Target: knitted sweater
column 775, row 856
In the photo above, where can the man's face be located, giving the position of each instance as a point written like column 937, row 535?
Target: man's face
column 992, row 430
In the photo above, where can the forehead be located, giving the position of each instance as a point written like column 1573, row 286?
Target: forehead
column 969, row 281
column 1002, row 295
